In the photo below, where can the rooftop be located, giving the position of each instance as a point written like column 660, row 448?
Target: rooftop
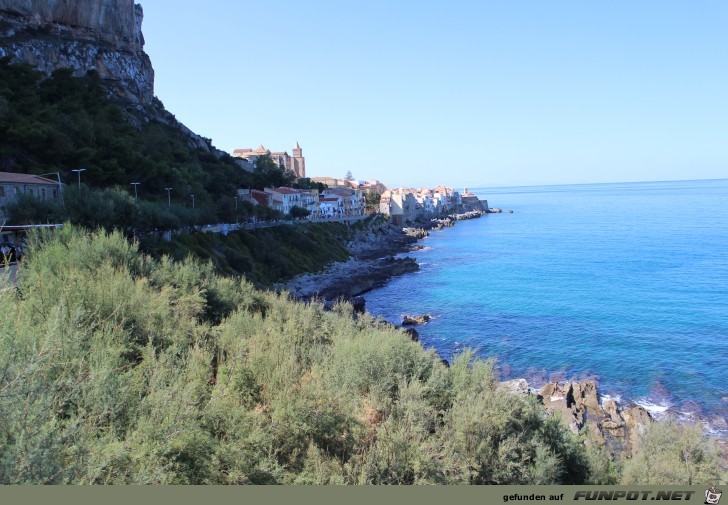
column 24, row 178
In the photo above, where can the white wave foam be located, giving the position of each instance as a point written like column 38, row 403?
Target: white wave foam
column 616, row 398
column 655, row 409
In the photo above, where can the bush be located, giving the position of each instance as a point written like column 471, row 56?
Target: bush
column 116, row 368
column 671, row 452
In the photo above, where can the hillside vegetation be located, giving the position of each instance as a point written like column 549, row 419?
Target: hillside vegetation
column 116, row 368
column 264, row 256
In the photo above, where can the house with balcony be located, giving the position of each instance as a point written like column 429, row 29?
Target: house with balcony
column 284, row 199
column 354, row 200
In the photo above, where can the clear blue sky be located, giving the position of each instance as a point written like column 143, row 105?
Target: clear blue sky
column 472, row 93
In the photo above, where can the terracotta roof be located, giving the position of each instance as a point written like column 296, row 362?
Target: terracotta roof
column 25, row 178
column 287, row 191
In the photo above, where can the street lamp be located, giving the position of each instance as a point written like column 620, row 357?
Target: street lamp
column 136, row 194
column 169, row 198
column 60, row 185
column 78, row 171
column 193, row 202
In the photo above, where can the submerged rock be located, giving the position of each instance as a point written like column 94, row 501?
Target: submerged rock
column 413, row 334
column 415, row 320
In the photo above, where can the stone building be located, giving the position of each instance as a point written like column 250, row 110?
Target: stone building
column 294, row 162
column 400, row 205
column 13, row 185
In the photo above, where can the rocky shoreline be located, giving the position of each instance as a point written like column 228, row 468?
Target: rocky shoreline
column 373, row 260
column 580, row 405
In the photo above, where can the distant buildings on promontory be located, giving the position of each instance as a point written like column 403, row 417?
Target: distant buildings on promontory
column 347, row 197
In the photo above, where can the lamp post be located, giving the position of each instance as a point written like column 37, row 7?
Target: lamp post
column 169, row 198
column 136, row 194
column 193, row 202
column 237, row 221
column 60, row 186
column 78, row 171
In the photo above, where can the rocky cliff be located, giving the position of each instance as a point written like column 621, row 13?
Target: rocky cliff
column 85, row 35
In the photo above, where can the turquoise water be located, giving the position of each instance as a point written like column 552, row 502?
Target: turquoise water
column 625, row 283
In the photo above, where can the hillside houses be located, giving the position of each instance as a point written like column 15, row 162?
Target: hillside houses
column 407, row 204
column 331, row 203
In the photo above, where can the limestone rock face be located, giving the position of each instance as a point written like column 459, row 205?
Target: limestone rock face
column 100, row 35
column 115, row 21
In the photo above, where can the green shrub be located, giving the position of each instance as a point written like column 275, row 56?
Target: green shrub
column 116, row 368
column 671, row 452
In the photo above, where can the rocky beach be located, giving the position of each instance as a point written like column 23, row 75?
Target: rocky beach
column 375, row 258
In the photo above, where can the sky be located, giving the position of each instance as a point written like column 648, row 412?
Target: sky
column 463, row 93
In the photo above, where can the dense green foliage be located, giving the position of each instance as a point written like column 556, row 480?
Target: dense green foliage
column 115, row 368
column 116, row 208
column 265, row 255
column 63, row 123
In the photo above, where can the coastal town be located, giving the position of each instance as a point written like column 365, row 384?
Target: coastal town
column 346, row 198
column 326, row 199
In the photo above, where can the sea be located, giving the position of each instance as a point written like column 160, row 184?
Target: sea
column 623, row 283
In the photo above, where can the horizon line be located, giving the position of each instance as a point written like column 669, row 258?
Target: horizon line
column 592, row 183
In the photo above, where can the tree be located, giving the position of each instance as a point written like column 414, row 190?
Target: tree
column 299, row 212
column 268, row 174
column 373, row 199
column 349, row 176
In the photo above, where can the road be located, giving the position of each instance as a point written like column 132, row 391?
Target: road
column 7, row 275
column 221, row 228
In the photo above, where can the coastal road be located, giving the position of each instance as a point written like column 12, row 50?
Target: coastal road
column 222, row 228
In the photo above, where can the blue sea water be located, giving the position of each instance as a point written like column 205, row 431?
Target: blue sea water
column 626, row 283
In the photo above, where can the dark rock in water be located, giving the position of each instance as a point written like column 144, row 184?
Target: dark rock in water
column 445, row 362
column 359, row 304
column 415, row 320
column 413, row 334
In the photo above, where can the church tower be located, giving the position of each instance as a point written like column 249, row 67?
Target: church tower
column 298, row 162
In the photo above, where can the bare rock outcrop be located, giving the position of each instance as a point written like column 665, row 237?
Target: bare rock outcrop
column 579, row 405
column 104, row 36
column 514, row 387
